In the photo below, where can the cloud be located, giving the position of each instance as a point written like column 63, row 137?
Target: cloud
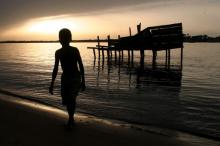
column 17, row 11
column 15, row 14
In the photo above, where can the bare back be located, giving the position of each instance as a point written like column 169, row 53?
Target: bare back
column 68, row 57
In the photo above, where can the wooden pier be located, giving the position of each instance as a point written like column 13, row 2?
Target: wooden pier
column 156, row 38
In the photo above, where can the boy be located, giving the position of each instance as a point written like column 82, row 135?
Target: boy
column 72, row 78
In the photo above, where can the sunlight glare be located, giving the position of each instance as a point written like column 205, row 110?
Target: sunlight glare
column 51, row 26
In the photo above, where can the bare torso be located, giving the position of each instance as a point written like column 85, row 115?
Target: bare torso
column 68, row 58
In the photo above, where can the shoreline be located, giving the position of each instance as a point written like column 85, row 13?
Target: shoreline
column 166, row 131
column 174, row 136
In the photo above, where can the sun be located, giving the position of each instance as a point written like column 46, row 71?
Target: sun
column 49, row 26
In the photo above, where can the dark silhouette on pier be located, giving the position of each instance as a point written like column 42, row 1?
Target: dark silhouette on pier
column 72, row 78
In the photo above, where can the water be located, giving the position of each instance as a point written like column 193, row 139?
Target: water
column 115, row 91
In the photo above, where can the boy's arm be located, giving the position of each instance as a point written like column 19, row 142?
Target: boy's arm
column 54, row 74
column 81, row 67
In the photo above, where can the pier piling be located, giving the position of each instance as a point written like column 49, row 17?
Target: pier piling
column 98, row 46
column 108, row 49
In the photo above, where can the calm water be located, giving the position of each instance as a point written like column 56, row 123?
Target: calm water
column 115, row 91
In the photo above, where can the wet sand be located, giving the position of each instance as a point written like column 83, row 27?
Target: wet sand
column 26, row 123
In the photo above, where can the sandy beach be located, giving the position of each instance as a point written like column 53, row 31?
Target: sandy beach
column 26, row 123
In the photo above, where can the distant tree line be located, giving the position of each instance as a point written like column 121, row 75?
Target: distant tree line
column 200, row 38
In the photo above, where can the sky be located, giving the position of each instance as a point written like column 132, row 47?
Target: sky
column 42, row 19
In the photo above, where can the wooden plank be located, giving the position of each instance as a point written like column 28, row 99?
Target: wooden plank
column 167, row 31
column 165, row 26
column 92, row 47
column 167, row 38
column 168, row 46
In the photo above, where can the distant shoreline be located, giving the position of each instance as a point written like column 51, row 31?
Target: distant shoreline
column 91, row 41
column 56, row 41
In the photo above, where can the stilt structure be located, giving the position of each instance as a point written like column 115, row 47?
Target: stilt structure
column 156, row 38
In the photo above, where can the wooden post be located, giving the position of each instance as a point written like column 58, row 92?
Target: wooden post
column 139, row 28
column 142, row 49
column 130, row 31
column 168, row 59
column 98, row 46
column 141, row 60
column 94, row 64
column 98, row 73
column 181, row 62
column 111, row 53
column 154, row 58
column 132, row 56
column 119, row 54
column 119, row 50
column 122, row 52
column 108, row 46
column 129, row 56
column 115, row 55
column 94, row 54
column 103, row 62
column 103, row 54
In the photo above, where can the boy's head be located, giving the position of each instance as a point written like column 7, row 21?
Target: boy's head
column 65, row 36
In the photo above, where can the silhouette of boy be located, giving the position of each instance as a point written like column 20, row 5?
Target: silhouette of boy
column 72, row 78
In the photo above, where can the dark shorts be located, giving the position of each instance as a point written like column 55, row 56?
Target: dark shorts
column 70, row 87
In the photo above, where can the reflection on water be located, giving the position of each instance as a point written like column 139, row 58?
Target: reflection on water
column 128, row 92
column 186, row 101
column 144, row 75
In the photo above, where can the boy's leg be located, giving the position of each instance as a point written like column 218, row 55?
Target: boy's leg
column 71, row 110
